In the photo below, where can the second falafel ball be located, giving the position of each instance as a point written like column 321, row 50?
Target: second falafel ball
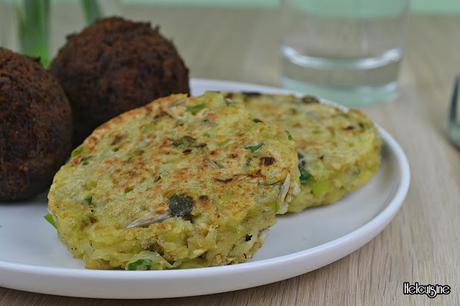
column 113, row 66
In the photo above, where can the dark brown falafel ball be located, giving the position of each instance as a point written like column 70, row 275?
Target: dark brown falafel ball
column 113, row 66
column 35, row 126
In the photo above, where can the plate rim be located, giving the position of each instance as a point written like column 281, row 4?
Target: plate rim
column 364, row 233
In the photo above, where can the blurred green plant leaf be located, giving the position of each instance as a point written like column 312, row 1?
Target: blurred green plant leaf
column 92, row 10
column 33, row 28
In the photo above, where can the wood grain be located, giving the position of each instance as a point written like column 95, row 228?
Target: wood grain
column 420, row 244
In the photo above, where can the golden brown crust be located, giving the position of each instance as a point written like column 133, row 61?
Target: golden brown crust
column 339, row 151
column 181, row 178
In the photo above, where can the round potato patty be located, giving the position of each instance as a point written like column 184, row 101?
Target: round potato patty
column 339, row 151
column 181, row 182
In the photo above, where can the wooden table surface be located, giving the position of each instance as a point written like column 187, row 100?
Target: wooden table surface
column 421, row 244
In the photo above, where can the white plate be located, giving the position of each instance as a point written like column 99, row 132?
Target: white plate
column 33, row 259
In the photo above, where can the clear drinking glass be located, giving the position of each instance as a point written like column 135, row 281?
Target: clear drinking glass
column 344, row 50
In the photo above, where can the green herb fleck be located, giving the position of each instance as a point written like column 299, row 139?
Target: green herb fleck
column 138, row 152
column 257, row 120
column 129, row 189
column 289, row 135
column 320, row 187
column 50, row 220
column 275, row 206
column 141, row 264
column 157, row 179
column 180, row 205
column 195, row 109
column 77, row 151
column 88, row 200
column 184, row 141
column 84, row 160
column 254, row 148
column 305, row 176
